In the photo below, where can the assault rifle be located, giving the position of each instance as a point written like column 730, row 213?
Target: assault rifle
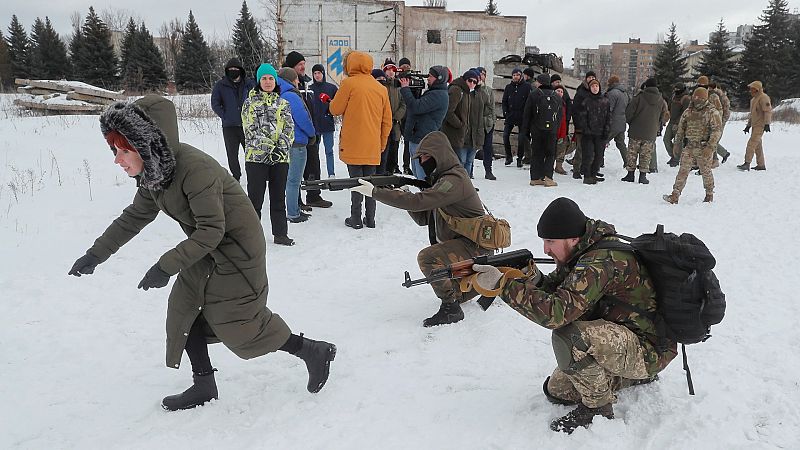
column 517, row 259
column 387, row 181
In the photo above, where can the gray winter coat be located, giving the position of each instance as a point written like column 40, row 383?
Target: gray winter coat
column 221, row 265
column 646, row 114
column 618, row 101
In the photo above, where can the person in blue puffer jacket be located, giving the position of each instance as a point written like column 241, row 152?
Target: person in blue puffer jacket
column 304, row 134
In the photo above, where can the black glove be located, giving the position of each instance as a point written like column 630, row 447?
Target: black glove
column 766, row 128
column 84, row 265
column 747, row 129
column 154, row 278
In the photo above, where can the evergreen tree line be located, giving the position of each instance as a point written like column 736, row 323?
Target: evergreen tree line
column 771, row 55
column 141, row 66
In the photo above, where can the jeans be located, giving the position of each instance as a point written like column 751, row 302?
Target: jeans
column 416, row 167
column 327, row 139
column 297, row 163
column 466, row 156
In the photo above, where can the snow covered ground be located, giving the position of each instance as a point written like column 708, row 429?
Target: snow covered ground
column 81, row 359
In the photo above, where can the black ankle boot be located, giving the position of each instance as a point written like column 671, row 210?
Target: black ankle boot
column 629, row 177
column 203, row 390
column 317, row 356
column 448, row 313
column 643, row 178
column 581, row 417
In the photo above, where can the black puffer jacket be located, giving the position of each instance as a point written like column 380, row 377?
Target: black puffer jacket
column 594, row 116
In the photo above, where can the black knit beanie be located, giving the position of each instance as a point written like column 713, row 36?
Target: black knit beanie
column 403, row 61
column 562, row 219
column 292, row 59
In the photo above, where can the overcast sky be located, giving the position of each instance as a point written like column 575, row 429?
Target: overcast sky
column 553, row 26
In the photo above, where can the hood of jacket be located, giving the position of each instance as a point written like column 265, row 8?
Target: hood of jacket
column 150, row 125
column 285, row 86
column 436, row 145
column 651, row 95
column 460, row 82
column 358, row 63
column 442, row 76
column 234, row 62
column 319, row 68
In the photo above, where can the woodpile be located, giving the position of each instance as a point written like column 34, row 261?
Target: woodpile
column 64, row 97
column 501, row 79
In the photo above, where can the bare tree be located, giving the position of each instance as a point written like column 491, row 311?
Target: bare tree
column 75, row 19
column 169, row 43
column 117, row 19
column 270, row 25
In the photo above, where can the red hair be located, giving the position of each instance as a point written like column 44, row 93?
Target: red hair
column 118, row 140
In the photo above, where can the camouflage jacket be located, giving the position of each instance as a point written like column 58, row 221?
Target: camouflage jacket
column 268, row 128
column 577, row 291
column 726, row 104
column 700, row 125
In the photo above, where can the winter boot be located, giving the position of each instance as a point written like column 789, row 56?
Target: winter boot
column 509, row 161
column 589, row 180
column 709, row 198
column 671, row 198
column 283, row 240
column 744, row 167
column 581, row 417
column 369, row 223
column 537, row 183
column 559, row 169
column 629, row 177
column 548, row 182
column 319, row 202
column 354, row 224
column 760, row 168
column 643, row 178
column 553, row 399
column 203, row 390
column 489, row 175
column 673, row 162
column 725, row 158
column 317, row 356
column 448, row 313
column 576, row 174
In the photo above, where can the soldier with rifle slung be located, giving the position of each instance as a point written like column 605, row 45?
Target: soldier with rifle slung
column 451, row 193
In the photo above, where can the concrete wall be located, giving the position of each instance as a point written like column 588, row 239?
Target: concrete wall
column 499, row 36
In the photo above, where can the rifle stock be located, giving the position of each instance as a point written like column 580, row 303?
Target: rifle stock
column 339, row 184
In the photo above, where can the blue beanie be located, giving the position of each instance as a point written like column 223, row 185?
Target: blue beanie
column 378, row 73
column 471, row 73
column 266, row 69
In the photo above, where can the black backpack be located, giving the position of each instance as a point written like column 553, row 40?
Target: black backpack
column 548, row 111
column 688, row 294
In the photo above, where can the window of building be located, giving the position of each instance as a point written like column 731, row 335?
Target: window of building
column 468, row 36
column 434, row 36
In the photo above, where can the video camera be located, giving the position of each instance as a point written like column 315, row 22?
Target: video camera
column 416, row 80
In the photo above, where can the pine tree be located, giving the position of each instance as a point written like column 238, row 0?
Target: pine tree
column 48, row 53
column 18, row 49
column 93, row 57
column 128, row 38
column 716, row 62
column 668, row 66
column 154, row 75
column 247, row 41
column 6, row 80
column 491, row 8
column 795, row 57
column 194, row 68
column 766, row 54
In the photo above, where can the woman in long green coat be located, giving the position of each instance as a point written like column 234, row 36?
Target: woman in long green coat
column 220, row 293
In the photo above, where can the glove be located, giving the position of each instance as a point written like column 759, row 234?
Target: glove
column 324, row 98
column 154, row 278
column 366, row 188
column 747, row 129
column 84, row 265
column 766, row 128
column 488, row 276
column 533, row 273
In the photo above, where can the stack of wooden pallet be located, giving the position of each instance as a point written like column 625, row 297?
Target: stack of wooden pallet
column 64, row 97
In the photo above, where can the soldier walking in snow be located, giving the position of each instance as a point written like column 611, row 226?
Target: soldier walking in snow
column 220, row 293
column 760, row 118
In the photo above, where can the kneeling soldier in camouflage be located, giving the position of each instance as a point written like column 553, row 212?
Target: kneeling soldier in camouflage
column 598, row 302
column 699, row 130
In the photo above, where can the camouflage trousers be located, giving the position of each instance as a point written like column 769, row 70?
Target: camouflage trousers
column 443, row 254
column 642, row 151
column 690, row 157
column 754, row 146
column 605, row 357
column 564, row 147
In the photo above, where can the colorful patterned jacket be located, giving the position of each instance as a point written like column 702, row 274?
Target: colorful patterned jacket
column 268, row 128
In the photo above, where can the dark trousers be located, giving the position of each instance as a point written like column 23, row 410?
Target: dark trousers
column 197, row 348
column 406, row 156
column 487, row 152
column 355, row 197
column 312, row 170
column 389, row 157
column 592, row 148
column 234, row 138
column 257, row 177
column 522, row 142
column 543, row 154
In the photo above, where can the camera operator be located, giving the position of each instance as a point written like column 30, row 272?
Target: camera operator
column 426, row 113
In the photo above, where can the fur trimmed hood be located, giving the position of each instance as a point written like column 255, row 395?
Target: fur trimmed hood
column 150, row 124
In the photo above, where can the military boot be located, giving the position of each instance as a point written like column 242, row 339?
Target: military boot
column 203, row 390
column 709, row 198
column 559, row 169
column 629, row 177
column 589, row 180
column 317, row 356
column 744, row 167
column 760, row 168
column 673, row 162
column 489, row 175
column 581, row 417
column 643, row 178
column 448, row 313
column 671, row 198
